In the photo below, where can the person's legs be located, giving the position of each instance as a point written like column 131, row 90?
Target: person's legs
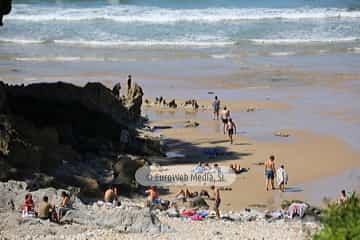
column 216, row 208
column 272, row 182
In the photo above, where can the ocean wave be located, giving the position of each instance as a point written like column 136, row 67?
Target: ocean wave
column 303, row 41
column 150, row 43
column 128, row 14
column 22, row 41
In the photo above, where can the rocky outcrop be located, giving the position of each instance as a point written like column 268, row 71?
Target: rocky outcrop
column 5, row 8
column 71, row 134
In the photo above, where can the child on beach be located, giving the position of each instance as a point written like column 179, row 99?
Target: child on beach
column 231, row 129
column 281, row 178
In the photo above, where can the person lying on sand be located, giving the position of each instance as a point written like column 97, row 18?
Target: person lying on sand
column 237, row 169
column 270, row 172
column 217, row 200
column 225, row 115
column 231, row 129
column 186, row 194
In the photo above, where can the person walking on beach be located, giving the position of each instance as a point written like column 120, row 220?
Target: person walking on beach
column 129, row 83
column 225, row 115
column 270, row 172
column 217, row 200
column 216, row 108
column 231, row 129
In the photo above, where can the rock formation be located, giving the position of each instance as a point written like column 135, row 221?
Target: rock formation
column 5, row 8
column 70, row 135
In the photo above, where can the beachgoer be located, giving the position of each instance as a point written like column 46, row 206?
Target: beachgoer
column 270, row 172
column 111, row 196
column 116, row 90
column 216, row 108
column 231, row 129
column 186, row 194
column 64, row 204
column 217, row 200
column 28, row 204
column 225, row 115
column 129, row 83
column 343, row 197
column 153, row 196
column 281, row 178
column 45, row 209
column 237, row 168
column 199, row 168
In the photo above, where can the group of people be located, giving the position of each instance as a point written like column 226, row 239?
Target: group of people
column 44, row 210
column 117, row 88
column 229, row 126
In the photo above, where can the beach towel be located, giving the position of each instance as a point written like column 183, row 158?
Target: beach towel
column 197, row 218
column 188, row 213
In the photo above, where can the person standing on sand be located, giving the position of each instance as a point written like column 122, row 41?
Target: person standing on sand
column 216, row 108
column 116, row 90
column 217, row 200
column 231, row 129
column 129, row 83
column 225, row 115
column 281, row 178
column 270, row 172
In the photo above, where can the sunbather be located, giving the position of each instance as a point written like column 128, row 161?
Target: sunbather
column 237, row 168
column 153, row 196
column 111, row 195
column 65, row 204
column 28, row 204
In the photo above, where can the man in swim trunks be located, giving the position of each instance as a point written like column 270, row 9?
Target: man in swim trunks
column 231, row 129
column 217, row 200
column 270, row 172
column 225, row 115
column 111, row 195
column 216, row 108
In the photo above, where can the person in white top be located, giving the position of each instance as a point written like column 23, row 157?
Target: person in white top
column 281, row 178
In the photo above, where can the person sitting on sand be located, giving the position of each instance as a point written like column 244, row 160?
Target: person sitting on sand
column 216, row 108
column 199, row 168
column 153, row 196
column 45, row 209
column 231, row 129
column 270, row 172
column 217, row 200
column 28, row 205
column 65, row 204
column 281, row 178
column 129, row 84
column 343, row 197
column 225, row 115
column 111, row 195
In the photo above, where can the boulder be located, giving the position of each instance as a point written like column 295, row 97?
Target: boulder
column 5, row 8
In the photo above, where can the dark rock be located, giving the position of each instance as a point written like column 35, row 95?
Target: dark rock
column 53, row 128
column 191, row 124
column 5, row 8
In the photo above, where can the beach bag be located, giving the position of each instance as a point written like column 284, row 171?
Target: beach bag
column 188, row 213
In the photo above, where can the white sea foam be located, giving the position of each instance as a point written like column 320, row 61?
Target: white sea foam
column 302, row 41
column 282, row 54
column 149, row 43
column 22, row 41
column 127, row 14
